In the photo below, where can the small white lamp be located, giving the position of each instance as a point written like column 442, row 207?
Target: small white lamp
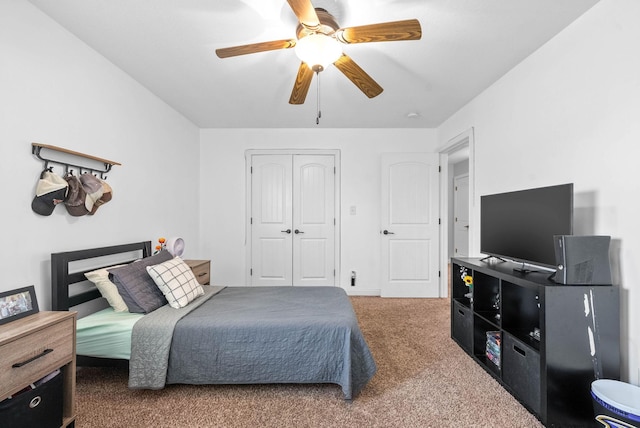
column 175, row 246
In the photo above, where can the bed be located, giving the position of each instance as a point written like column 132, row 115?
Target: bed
column 227, row 335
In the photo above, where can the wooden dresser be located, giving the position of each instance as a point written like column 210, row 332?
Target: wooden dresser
column 34, row 346
column 201, row 269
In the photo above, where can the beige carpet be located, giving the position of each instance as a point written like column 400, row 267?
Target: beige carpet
column 424, row 380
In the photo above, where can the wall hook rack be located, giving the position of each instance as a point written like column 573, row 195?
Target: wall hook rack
column 36, row 149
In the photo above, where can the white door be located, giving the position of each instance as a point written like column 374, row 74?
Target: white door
column 410, row 225
column 271, row 220
column 313, row 220
column 292, row 220
column 461, row 216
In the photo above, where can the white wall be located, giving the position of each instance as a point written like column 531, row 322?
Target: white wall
column 571, row 113
column 222, row 199
column 55, row 90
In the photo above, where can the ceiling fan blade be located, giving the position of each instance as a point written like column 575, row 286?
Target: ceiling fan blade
column 305, row 12
column 255, row 47
column 384, row 32
column 358, row 76
column 301, row 85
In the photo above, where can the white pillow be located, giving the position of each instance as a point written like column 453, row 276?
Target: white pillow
column 176, row 281
column 108, row 289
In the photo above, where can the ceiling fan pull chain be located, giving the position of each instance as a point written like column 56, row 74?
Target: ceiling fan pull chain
column 319, row 113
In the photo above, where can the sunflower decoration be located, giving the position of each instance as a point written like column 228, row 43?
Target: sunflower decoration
column 464, row 275
column 468, row 279
column 161, row 245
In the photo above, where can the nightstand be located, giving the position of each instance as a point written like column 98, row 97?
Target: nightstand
column 35, row 346
column 201, row 269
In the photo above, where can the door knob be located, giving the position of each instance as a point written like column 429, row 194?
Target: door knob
column 386, row 232
column 287, row 231
column 297, row 231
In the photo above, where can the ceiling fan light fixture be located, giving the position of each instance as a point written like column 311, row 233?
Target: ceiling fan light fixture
column 318, row 50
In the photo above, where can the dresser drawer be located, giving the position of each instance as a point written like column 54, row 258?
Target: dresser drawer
column 201, row 269
column 34, row 355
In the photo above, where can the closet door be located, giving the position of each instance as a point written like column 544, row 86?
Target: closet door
column 271, row 220
column 313, row 220
column 292, row 220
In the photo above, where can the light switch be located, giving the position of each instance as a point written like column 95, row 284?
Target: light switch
column 352, row 210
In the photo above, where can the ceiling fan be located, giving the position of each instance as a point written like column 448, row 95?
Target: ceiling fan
column 319, row 41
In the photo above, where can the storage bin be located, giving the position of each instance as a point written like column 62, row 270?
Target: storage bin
column 615, row 403
column 39, row 407
column 521, row 371
column 462, row 328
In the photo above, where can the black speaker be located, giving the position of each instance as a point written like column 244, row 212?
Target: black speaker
column 582, row 259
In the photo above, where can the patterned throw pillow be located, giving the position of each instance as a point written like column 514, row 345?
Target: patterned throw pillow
column 176, row 281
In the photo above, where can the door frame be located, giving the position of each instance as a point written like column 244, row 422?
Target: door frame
column 337, row 210
column 462, row 143
column 456, row 213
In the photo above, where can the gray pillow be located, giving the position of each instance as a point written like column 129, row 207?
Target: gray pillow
column 136, row 287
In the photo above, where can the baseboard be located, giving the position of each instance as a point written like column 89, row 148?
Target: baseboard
column 361, row 292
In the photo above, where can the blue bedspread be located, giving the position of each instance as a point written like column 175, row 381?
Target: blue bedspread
column 248, row 335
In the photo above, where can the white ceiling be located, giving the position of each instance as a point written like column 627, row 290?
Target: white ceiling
column 168, row 46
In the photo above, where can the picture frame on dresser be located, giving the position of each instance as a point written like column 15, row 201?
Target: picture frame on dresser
column 18, row 303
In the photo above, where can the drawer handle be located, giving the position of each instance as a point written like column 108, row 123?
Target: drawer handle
column 202, row 274
column 25, row 362
column 461, row 312
column 519, row 351
column 35, row 402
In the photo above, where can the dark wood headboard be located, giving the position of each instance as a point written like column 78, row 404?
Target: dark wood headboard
column 62, row 276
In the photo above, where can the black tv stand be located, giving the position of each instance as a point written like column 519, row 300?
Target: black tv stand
column 531, row 335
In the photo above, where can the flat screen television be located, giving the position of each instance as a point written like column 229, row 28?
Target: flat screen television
column 520, row 225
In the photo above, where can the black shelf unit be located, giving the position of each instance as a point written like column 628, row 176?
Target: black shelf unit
column 545, row 353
